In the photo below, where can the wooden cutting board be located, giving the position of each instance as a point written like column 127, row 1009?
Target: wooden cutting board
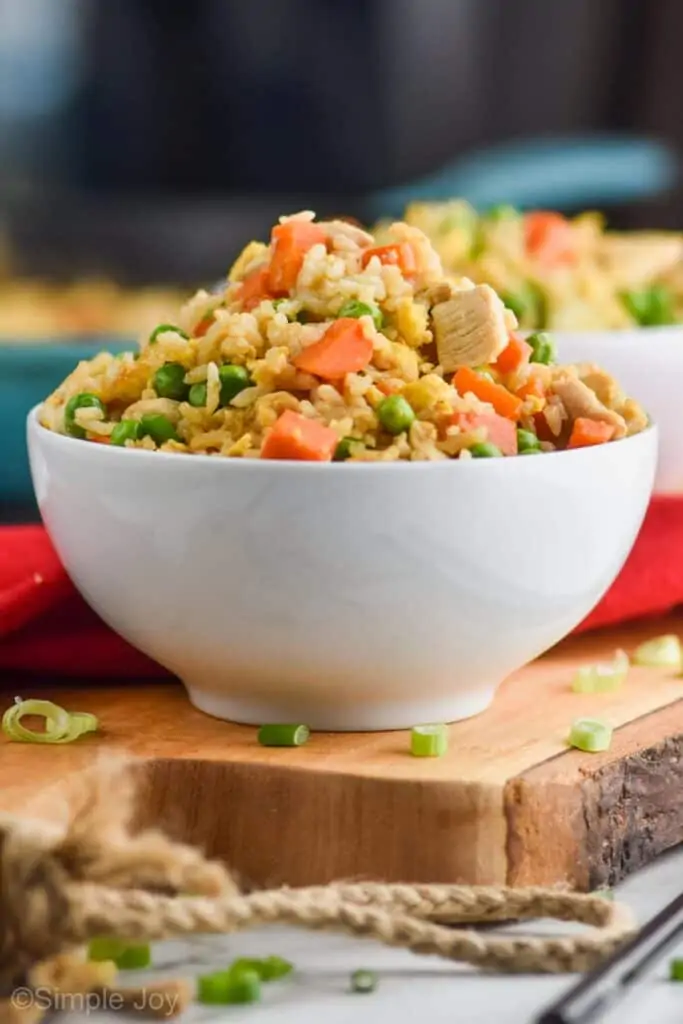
column 508, row 803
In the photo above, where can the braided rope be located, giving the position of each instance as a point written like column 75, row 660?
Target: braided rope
column 60, row 887
column 412, row 917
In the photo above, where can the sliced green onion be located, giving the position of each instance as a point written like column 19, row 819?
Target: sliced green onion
column 660, row 652
column 269, row 969
column 364, row 981
column 283, row 735
column 590, row 735
column 275, row 967
column 676, row 970
column 60, row 726
column 100, row 950
column 603, row 677
column 225, row 987
column 428, row 740
column 134, row 957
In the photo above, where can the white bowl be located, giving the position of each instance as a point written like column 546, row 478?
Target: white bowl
column 348, row 597
column 648, row 363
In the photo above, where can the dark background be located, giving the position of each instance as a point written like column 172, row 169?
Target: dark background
column 129, row 128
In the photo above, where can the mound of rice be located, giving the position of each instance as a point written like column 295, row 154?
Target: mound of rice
column 324, row 346
column 556, row 273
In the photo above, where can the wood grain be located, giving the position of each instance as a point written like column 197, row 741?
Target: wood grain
column 509, row 802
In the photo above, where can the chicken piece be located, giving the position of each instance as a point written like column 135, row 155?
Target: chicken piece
column 579, row 401
column 438, row 293
column 470, row 328
column 602, row 383
column 634, row 261
column 342, row 232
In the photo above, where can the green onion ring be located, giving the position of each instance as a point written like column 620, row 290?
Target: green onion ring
column 60, row 726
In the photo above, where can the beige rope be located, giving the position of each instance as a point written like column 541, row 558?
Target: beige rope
column 60, row 887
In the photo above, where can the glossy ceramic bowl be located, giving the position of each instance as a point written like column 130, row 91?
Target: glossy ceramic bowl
column 348, row 597
column 648, row 363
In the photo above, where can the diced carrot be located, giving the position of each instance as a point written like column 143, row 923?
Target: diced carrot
column 400, row 254
column 295, row 437
column 204, row 324
column 499, row 430
column 98, row 439
column 515, row 354
column 254, row 288
column 291, row 241
column 344, row 348
column 587, row 432
column 532, row 386
column 548, row 237
column 502, row 400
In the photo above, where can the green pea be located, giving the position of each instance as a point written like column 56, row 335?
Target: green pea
column 233, row 380
column 197, row 396
column 526, row 441
column 82, row 401
column 166, row 327
column 356, row 309
column 126, row 430
column 395, row 414
column 503, row 211
column 158, row 427
column 543, row 348
column 531, row 451
column 485, row 450
column 650, row 307
column 169, row 382
column 344, row 449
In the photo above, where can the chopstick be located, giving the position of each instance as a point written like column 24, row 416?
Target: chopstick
column 619, row 976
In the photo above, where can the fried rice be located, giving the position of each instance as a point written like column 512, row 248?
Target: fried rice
column 324, row 346
column 559, row 273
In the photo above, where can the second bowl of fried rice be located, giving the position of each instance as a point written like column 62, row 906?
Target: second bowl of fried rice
column 311, row 496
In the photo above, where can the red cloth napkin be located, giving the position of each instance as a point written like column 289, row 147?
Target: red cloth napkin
column 651, row 582
column 46, row 627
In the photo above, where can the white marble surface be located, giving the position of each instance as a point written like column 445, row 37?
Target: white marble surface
column 410, row 988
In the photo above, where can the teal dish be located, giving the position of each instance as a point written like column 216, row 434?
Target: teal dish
column 29, row 372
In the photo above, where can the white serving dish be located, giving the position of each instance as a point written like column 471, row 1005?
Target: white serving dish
column 648, row 363
column 348, row 597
